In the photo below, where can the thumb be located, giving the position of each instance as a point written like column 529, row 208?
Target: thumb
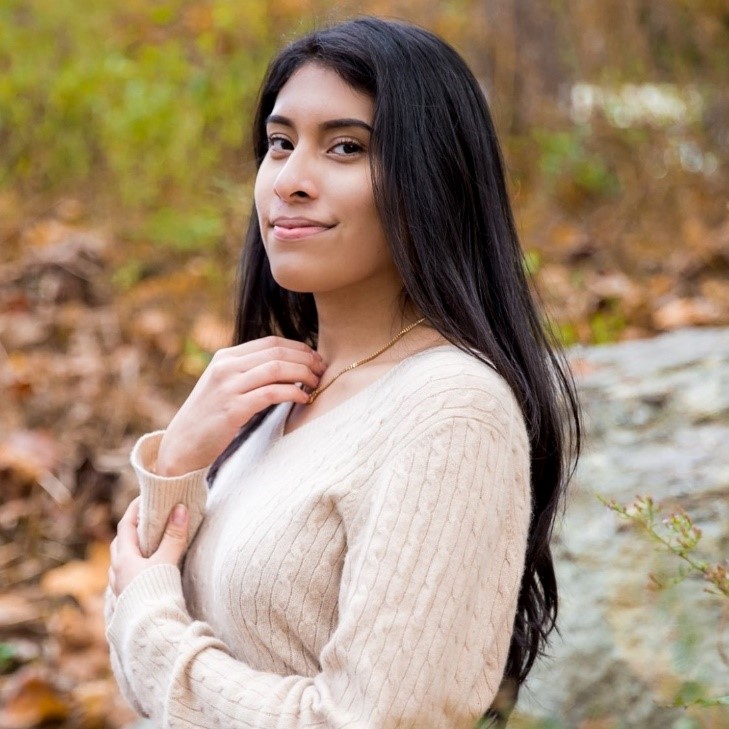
column 174, row 540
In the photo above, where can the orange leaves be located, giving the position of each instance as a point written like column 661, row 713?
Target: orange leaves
column 80, row 578
column 31, row 700
column 69, row 679
column 72, row 383
column 211, row 333
column 158, row 329
column 17, row 611
column 604, row 283
column 28, row 457
column 33, row 697
column 686, row 312
column 29, row 452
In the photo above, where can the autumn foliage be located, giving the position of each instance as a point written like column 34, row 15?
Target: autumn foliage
column 125, row 186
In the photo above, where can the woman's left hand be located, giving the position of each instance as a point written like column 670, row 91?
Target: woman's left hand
column 126, row 559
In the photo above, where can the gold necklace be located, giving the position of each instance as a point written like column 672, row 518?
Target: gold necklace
column 317, row 391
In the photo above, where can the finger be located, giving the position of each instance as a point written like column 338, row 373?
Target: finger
column 230, row 363
column 312, row 359
column 270, row 342
column 127, row 528
column 262, row 397
column 274, row 373
column 174, row 540
column 131, row 515
column 241, row 406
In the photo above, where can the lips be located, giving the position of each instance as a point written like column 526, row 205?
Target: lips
column 294, row 228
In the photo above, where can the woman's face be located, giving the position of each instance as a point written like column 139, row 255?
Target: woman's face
column 313, row 191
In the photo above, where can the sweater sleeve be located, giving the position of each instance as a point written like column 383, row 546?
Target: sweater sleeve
column 427, row 599
column 158, row 496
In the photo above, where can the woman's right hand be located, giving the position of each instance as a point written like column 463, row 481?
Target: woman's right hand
column 238, row 382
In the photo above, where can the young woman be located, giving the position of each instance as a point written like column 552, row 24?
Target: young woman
column 372, row 472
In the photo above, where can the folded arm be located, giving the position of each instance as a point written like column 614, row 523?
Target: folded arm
column 427, row 599
column 158, row 497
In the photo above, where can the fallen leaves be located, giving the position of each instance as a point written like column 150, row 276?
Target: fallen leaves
column 211, row 333
column 31, row 699
column 80, row 578
column 54, row 648
column 80, row 377
column 16, row 611
column 34, row 697
column 686, row 312
column 28, row 457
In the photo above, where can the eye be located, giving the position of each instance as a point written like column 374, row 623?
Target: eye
column 276, row 143
column 348, row 147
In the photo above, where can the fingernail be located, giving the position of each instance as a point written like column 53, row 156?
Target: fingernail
column 178, row 514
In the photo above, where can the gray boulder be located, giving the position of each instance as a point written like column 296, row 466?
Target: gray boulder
column 657, row 423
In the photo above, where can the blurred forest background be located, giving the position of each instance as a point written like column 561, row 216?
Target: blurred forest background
column 125, row 187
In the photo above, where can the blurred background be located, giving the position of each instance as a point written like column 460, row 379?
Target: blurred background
column 125, row 186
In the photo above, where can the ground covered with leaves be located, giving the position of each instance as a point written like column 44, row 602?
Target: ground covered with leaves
column 82, row 371
column 86, row 366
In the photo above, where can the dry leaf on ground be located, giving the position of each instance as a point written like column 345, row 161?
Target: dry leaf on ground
column 80, row 578
column 30, row 699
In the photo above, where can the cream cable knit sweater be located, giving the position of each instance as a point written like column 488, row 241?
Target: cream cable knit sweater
column 360, row 571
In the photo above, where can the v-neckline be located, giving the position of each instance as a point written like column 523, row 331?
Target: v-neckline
column 278, row 435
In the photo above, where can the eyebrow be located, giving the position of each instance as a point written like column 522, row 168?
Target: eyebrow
column 326, row 126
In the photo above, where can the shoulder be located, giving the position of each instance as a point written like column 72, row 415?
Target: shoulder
column 446, row 383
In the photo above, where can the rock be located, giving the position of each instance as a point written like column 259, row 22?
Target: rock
column 657, row 423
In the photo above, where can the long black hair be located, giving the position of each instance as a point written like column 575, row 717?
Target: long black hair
column 440, row 190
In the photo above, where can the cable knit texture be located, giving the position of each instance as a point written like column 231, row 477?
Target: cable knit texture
column 359, row 572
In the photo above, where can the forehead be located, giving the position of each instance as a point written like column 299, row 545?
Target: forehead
column 318, row 93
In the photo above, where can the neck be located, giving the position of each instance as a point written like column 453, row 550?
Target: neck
column 353, row 327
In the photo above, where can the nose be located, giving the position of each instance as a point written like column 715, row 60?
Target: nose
column 295, row 179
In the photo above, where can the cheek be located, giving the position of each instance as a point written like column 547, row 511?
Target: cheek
column 363, row 221
column 262, row 189
column 356, row 201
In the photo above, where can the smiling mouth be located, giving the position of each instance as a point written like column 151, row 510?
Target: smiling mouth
column 303, row 231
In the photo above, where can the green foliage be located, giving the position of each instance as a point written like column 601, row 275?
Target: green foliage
column 532, row 260
column 606, row 326
column 143, row 101
column 195, row 230
column 7, row 655
column 562, row 333
column 195, row 359
column 567, row 155
column 538, row 724
column 127, row 274
column 685, row 722
column 677, row 533
column 694, row 693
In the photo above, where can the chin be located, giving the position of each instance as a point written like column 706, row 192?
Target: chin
column 293, row 280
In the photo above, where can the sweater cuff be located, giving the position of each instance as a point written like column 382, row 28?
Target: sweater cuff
column 144, row 456
column 157, row 585
column 159, row 494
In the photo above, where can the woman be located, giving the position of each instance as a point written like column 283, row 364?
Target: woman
column 386, row 445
